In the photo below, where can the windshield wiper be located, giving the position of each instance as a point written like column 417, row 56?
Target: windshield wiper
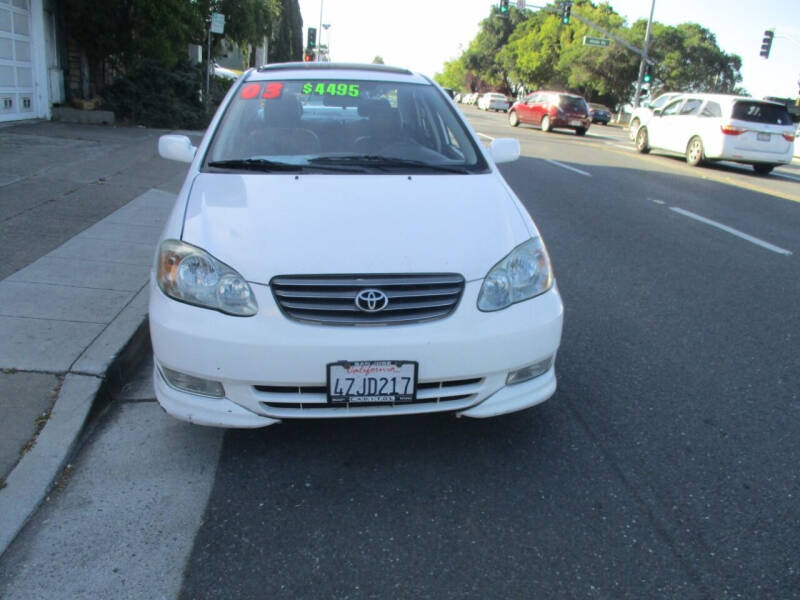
column 254, row 164
column 264, row 165
column 387, row 162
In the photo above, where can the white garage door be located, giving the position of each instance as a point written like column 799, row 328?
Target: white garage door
column 16, row 68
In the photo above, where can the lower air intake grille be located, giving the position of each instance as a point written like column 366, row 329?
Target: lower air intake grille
column 367, row 299
column 315, row 396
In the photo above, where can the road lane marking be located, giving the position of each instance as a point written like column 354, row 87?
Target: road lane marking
column 732, row 231
column 657, row 201
column 628, row 148
column 563, row 166
column 484, row 135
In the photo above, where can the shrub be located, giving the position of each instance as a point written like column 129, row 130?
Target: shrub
column 171, row 98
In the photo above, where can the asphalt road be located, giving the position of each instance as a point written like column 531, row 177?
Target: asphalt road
column 666, row 465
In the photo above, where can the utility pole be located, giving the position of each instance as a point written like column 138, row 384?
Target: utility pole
column 320, row 27
column 644, row 56
column 207, row 97
column 326, row 27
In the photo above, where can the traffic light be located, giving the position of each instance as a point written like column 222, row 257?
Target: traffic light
column 308, row 56
column 503, row 7
column 312, row 37
column 566, row 8
column 648, row 73
column 766, row 43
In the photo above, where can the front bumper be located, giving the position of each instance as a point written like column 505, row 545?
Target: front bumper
column 273, row 368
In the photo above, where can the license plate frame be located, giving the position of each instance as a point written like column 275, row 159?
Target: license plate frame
column 395, row 379
column 762, row 137
column 576, row 123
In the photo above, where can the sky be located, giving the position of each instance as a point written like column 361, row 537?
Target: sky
column 422, row 35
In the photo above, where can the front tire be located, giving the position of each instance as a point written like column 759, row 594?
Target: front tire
column 634, row 127
column 694, row 152
column 642, row 143
column 513, row 120
column 580, row 131
column 545, row 123
column 763, row 169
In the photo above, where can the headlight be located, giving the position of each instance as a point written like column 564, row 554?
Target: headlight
column 192, row 275
column 523, row 274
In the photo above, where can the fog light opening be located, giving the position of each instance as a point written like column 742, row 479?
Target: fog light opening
column 529, row 372
column 192, row 384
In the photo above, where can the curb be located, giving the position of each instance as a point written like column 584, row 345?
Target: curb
column 81, row 398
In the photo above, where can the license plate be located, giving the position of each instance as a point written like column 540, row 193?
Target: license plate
column 762, row 137
column 576, row 123
column 372, row 382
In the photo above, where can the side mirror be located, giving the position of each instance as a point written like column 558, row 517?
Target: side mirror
column 504, row 150
column 176, row 147
column 657, row 112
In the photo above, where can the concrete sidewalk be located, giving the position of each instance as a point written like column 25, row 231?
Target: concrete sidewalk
column 78, row 227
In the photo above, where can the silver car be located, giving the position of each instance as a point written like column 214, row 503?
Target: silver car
column 643, row 113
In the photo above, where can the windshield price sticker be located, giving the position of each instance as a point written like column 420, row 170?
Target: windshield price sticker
column 321, row 88
column 272, row 91
column 372, row 382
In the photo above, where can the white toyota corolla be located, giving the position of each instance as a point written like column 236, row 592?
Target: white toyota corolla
column 343, row 246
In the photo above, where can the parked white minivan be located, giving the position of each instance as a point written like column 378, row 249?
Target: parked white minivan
column 711, row 127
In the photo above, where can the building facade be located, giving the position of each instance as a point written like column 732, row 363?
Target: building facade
column 31, row 74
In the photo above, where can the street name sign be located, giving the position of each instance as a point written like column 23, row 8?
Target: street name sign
column 217, row 23
column 593, row 41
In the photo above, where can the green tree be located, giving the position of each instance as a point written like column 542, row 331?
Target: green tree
column 599, row 73
column 529, row 50
column 453, row 75
column 481, row 56
column 127, row 31
column 531, row 56
column 286, row 42
column 688, row 59
column 247, row 22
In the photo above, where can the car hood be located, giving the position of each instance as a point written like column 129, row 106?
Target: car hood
column 264, row 225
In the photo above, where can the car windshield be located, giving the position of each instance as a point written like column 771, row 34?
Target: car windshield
column 661, row 100
column 760, row 112
column 572, row 103
column 334, row 125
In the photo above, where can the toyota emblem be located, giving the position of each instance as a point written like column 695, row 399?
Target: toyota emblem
column 371, row 300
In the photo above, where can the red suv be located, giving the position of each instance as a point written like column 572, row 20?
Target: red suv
column 552, row 110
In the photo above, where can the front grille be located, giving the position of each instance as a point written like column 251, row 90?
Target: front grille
column 331, row 299
column 441, row 393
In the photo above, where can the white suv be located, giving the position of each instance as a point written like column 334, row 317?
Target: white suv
column 720, row 127
column 344, row 246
